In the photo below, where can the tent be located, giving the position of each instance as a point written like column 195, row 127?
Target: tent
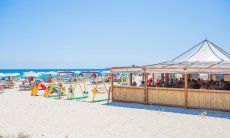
column 205, row 57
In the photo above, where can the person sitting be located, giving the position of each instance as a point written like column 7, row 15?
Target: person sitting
column 196, row 85
column 213, row 86
column 142, row 84
column 134, row 83
column 203, row 86
column 149, row 82
column 152, row 84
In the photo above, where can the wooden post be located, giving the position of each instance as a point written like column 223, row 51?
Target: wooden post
column 130, row 79
column 111, row 88
column 162, row 77
column 153, row 79
column 166, row 77
column 186, row 89
column 143, row 76
column 146, row 87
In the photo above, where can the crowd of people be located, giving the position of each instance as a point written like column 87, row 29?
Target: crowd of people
column 192, row 84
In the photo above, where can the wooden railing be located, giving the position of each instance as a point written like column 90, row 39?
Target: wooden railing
column 209, row 99
column 128, row 94
column 166, row 96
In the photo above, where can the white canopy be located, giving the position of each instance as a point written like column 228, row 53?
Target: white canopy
column 205, row 57
column 30, row 74
column 106, row 72
column 51, row 73
column 208, row 52
column 12, row 74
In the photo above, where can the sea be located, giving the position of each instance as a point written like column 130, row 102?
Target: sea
column 21, row 71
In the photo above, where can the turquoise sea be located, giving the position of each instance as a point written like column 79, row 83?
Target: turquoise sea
column 21, row 71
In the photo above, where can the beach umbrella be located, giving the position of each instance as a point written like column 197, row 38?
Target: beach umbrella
column 30, row 74
column 12, row 74
column 41, row 73
column 77, row 72
column 2, row 75
column 106, row 72
column 51, row 73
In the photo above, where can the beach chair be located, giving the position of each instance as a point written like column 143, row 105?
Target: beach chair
column 22, row 87
column 5, row 86
column 25, row 87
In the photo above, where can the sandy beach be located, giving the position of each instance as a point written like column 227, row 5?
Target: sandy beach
column 49, row 117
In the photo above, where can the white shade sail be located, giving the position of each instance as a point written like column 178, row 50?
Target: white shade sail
column 208, row 52
column 205, row 57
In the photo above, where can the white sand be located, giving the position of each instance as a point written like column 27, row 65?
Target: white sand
column 47, row 117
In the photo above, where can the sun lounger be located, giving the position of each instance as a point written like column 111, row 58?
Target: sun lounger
column 25, row 87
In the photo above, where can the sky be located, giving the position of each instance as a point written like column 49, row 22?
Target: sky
column 41, row 34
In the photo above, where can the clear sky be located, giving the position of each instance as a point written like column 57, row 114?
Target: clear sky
column 104, row 33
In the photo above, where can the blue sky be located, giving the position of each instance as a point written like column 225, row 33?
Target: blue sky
column 105, row 33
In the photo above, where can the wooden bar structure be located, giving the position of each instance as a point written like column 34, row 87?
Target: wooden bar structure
column 177, row 97
column 218, row 62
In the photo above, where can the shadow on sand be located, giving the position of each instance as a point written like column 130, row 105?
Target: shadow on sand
column 208, row 113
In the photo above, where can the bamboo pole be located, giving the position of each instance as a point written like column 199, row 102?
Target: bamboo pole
column 143, row 77
column 162, row 77
column 153, row 77
column 146, row 87
column 112, row 75
column 130, row 79
column 186, row 89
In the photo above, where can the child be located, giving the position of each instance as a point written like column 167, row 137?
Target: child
column 59, row 91
column 70, row 92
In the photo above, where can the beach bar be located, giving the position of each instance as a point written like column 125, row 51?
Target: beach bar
column 203, row 58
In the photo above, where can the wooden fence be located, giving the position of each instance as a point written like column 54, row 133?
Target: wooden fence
column 201, row 99
column 128, row 94
column 209, row 99
column 166, row 96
